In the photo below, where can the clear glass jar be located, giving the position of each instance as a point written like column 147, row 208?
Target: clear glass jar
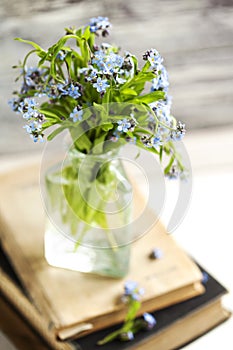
column 89, row 208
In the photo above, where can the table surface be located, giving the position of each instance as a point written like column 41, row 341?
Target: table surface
column 206, row 230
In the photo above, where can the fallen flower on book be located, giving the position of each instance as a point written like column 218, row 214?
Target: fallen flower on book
column 130, row 327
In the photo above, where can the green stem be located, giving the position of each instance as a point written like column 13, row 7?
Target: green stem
column 158, row 122
column 26, row 57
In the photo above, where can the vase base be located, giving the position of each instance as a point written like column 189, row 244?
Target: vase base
column 61, row 252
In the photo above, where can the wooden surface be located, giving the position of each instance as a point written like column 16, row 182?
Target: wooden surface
column 195, row 37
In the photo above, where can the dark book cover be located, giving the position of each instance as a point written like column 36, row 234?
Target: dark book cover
column 165, row 318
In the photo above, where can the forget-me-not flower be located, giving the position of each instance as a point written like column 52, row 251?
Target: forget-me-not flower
column 77, row 114
column 149, row 321
column 154, row 58
column 161, row 81
column 123, row 125
column 100, row 24
column 101, row 85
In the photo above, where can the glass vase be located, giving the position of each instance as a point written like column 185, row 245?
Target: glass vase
column 89, row 207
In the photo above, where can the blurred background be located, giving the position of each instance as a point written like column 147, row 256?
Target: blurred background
column 196, row 39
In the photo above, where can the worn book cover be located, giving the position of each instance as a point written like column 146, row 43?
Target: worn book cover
column 64, row 297
column 176, row 325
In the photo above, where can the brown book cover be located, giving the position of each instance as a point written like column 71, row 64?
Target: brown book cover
column 64, row 297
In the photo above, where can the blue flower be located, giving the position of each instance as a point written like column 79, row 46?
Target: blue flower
column 156, row 254
column 100, row 24
column 154, row 58
column 31, row 113
column 108, row 66
column 51, row 91
column 92, row 75
column 120, row 80
column 205, row 277
column 118, row 60
column 108, row 63
column 123, row 125
column 126, row 336
column 149, row 321
column 173, row 173
column 73, row 91
column 14, row 104
column 98, row 57
column 132, row 290
column 77, row 114
column 161, row 82
column 162, row 111
column 69, row 90
column 33, row 126
column 61, row 55
column 131, row 140
column 101, row 85
column 33, row 78
column 150, row 142
column 34, row 129
column 115, row 136
column 130, row 287
column 100, row 60
column 28, row 108
column 156, row 141
column 27, row 103
column 179, row 133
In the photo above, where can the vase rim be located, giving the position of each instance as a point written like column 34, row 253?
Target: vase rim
column 73, row 152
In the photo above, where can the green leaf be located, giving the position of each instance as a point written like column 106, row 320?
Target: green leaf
column 32, row 43
column 98, row 107
column 161, row 153
column 129, row 91
column 99, row 144
column 144, row 77
column 69, row 61
column 44, row 57
column 138, row 81
column 76, row 54
column 149, row 98
column 79, row 32
column 85, row 52
column 87, row 33
column 107, row 126
column 81, row 140
column 47, row 124
column 56, row 132
column 91, row 41
column 48, row 113
column 135, row 61
column 168, row 167
column 146, row 67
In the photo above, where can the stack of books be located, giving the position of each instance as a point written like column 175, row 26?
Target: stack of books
column 53, row 308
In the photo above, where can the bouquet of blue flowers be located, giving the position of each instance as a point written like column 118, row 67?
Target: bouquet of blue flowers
column 74, row 87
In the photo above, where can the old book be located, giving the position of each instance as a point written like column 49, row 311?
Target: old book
column 64, row 297
column 176, row 325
